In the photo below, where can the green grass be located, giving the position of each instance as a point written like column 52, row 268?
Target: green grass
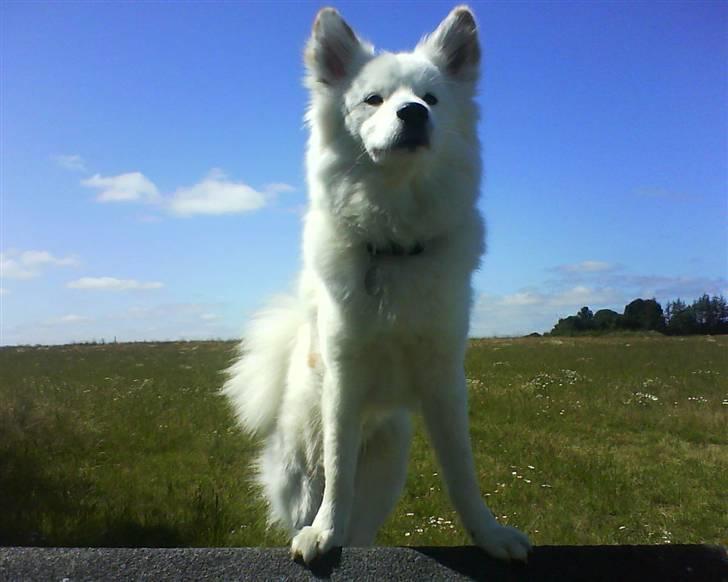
column 618, row 439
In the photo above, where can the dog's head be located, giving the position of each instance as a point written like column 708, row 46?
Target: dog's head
column 395, row 107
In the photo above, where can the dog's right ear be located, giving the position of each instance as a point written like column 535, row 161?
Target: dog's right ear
column 334, row 52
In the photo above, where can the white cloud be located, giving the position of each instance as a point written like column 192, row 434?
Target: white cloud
column 69, row 319
column 149, row 218
column 528, row 311
column 581, row 295
column 216, row 195
column 608, row 286
column 130, row 187
column 191, row 312
column 37, row 258
column 665, row 288
column 522, row 298
column 278, row 188
column 112, row 284
column 4, row 291
column 142, row 322
column 586, row 267
column 29, row 264
column 12, row 269
column 73, row 162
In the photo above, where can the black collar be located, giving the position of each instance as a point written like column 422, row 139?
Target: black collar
column 393, row 249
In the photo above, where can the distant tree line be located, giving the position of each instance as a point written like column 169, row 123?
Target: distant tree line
column 706, row 315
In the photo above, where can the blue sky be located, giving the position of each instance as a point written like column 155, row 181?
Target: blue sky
column 152, row 159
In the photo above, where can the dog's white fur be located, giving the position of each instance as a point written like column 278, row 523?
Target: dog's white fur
column 328, row 378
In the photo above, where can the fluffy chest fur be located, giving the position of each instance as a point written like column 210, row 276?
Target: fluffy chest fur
column 426, row 291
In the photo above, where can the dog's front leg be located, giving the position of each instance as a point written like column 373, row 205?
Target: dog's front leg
column 341, row 427
column 444, row 406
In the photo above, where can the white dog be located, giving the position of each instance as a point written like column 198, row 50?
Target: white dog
column 379, row 322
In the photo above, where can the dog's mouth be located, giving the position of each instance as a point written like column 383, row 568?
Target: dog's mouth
column 411, row 144
column 411, row 140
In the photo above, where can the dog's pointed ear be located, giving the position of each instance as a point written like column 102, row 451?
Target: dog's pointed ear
column 333, row 51
column 454, row 46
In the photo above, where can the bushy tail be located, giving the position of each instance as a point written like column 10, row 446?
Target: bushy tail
column 256, row 382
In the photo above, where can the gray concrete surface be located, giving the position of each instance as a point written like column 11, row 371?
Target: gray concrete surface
column 562, row 563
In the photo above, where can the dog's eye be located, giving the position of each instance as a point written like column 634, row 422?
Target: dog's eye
column 430, row 99
column 374, row 100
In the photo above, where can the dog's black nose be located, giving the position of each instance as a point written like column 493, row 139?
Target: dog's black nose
column 413, row 114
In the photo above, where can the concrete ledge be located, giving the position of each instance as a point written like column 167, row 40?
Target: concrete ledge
column 563, row 563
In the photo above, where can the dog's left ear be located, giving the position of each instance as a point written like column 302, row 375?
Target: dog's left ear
column 334, row 52
column 454, row 46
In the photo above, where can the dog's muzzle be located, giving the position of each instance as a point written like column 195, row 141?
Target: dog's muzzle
column 415, row 131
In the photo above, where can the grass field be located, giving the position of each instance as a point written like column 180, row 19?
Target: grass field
column 620, row 439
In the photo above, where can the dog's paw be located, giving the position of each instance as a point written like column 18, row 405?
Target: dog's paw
column 312, row 542
column 504, row 542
